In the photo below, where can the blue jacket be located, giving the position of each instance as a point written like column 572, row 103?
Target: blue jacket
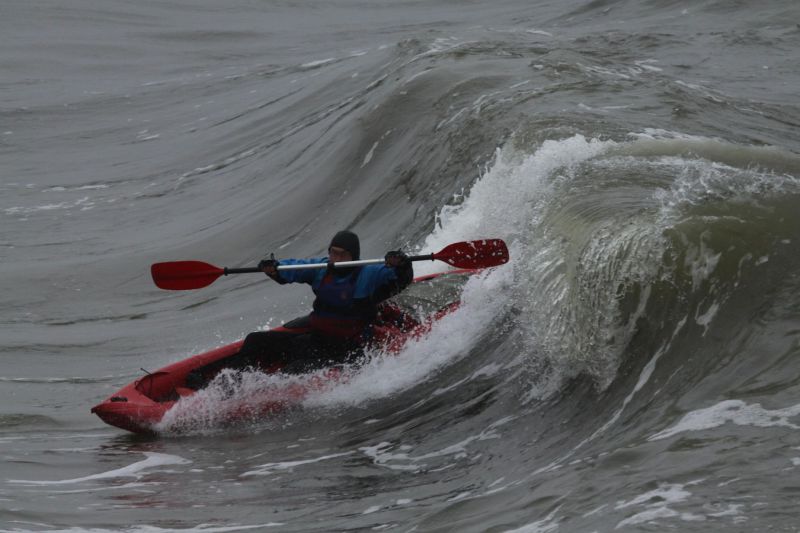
column 347, row 299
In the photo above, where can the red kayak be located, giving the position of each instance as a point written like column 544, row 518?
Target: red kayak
column 140, row 406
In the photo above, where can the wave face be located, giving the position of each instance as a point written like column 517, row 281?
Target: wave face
column 632, row 368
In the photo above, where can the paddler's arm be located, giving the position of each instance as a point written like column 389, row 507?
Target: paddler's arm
column 394, row 276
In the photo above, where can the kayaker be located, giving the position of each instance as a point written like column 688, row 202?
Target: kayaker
column 338, row 328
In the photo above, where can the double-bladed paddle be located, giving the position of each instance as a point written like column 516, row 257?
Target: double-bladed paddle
column 185, row 275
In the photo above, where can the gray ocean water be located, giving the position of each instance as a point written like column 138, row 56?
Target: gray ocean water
column 635, row 367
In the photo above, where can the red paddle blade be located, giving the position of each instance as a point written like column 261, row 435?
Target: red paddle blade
column 474, row 254
column 184, row 275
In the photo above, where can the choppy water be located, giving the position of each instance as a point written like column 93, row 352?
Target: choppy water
column 634, row 368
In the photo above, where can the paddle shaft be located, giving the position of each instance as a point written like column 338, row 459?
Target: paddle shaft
column 340, row 264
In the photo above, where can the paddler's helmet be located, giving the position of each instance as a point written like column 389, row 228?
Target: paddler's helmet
column 347, row 240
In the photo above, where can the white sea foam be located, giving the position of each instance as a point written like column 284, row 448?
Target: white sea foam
column 657, row 504
column 78, row 188
column 398, row 457
column 510, row 196
column 368, row 157
column 235, row 397
column 270, row 468
column 732, row 411
column 318, row 63
column 83, row 203
column 136, row 470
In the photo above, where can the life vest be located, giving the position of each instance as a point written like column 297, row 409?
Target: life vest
column 336, row 312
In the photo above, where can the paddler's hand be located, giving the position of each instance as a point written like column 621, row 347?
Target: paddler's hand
column 396, row 259
column 269, row 266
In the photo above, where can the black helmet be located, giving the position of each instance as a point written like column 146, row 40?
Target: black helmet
column 347, row 240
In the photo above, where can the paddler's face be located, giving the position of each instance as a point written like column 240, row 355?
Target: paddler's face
column 337, row 255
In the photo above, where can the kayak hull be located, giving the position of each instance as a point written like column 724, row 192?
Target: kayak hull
column 141, row 405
